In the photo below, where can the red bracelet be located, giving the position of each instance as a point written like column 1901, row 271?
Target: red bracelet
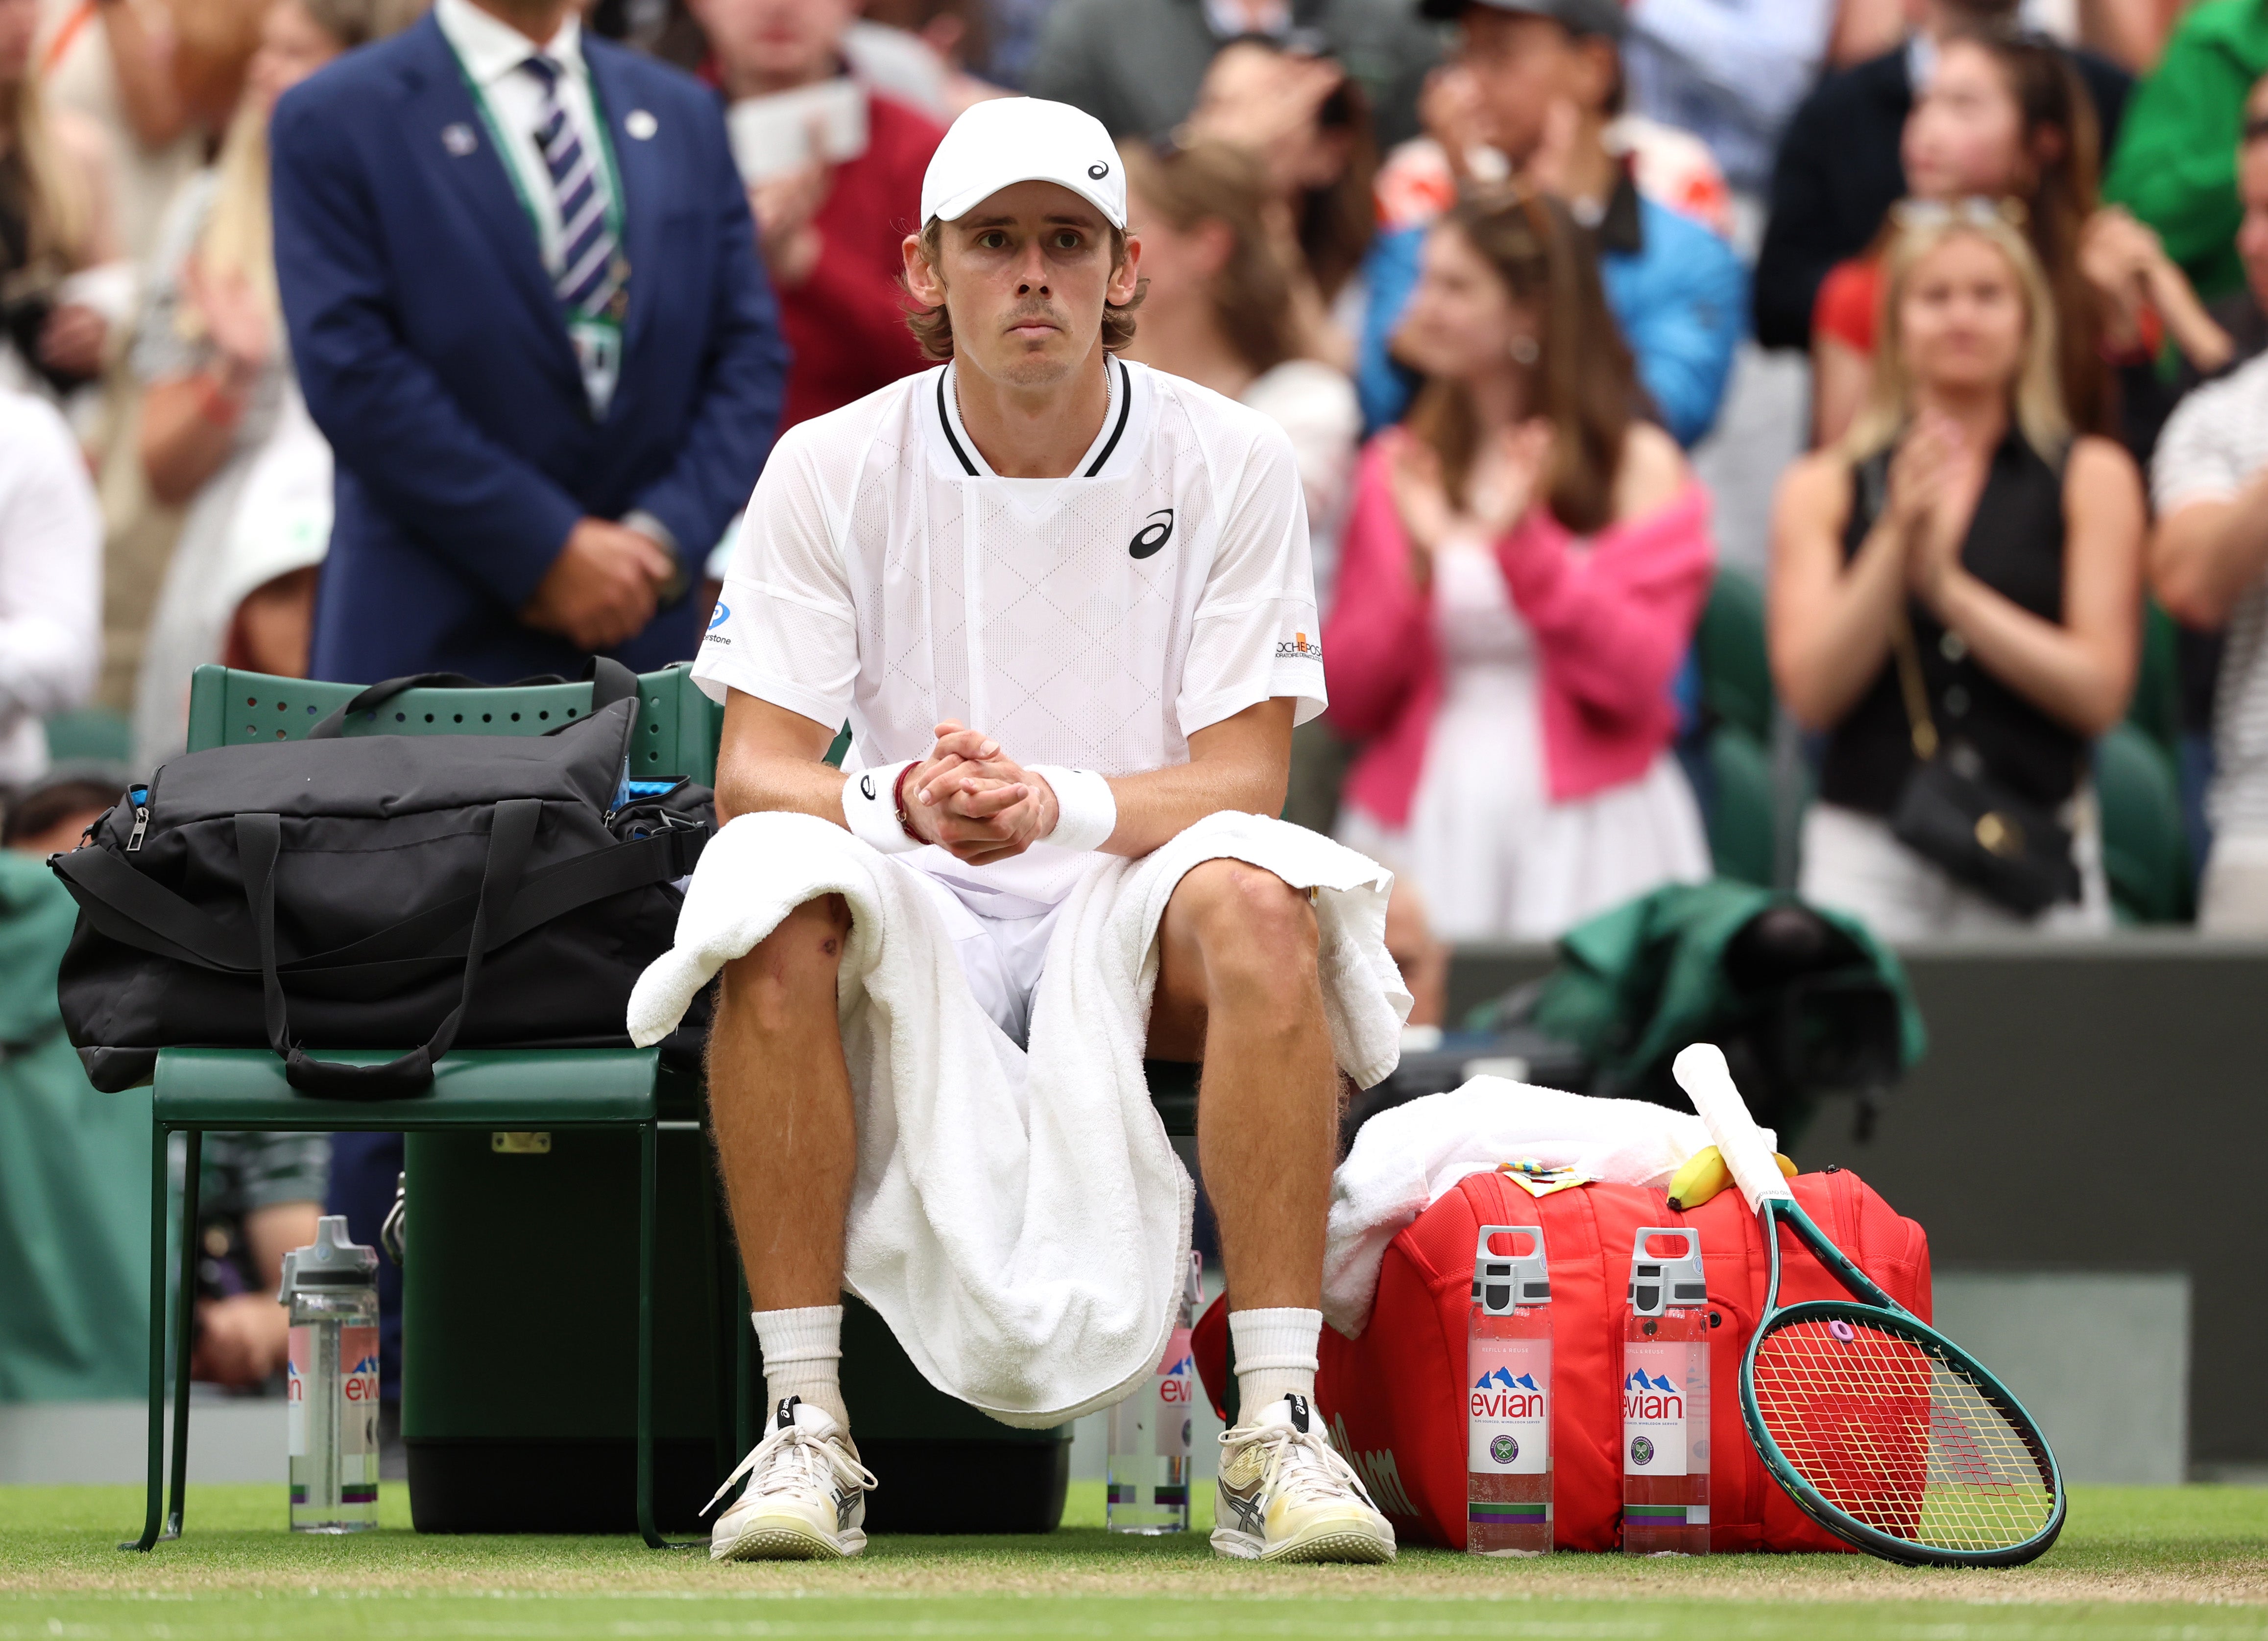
column 898, row 796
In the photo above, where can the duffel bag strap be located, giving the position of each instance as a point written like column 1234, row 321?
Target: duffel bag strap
column 258, row 839
column 134, row 911
column 131, row 909
column 609, row 679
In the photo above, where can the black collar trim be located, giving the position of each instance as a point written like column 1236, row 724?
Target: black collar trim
column 1125, row 406
column 944, row 421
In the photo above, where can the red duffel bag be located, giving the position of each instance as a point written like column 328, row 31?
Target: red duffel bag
column 1395, row 1400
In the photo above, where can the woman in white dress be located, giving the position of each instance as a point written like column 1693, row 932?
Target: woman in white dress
column 1520, row 575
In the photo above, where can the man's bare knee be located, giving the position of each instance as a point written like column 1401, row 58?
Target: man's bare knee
column 1257, row 932
column 790, row 970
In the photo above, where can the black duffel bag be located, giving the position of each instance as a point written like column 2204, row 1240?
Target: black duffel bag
column 379, row 893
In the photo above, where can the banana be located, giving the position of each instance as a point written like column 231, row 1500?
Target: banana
column 1705, row 1175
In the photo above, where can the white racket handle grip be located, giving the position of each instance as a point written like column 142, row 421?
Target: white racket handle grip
column 1701, row 1071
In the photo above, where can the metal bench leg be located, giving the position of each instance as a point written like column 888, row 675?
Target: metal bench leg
column 185, row 1327
column 648, row 1140
column 155, row 1504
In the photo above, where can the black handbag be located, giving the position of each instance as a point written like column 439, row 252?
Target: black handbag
column 387, row 892
column 1952, row 811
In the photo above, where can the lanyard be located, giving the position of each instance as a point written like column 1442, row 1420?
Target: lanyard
column 507, row 154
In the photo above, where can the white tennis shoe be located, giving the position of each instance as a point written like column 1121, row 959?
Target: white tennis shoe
column 807, row 1495
column 1284, row 1495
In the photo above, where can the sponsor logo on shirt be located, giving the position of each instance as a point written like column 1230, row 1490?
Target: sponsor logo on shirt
column 717, row 617
column 1156, row 531
column 1300, row 647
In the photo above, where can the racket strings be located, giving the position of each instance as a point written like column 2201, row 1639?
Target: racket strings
column 1896, row 1434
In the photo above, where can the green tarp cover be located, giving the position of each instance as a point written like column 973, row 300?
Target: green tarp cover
column 74, row 1177
column 1636, row 984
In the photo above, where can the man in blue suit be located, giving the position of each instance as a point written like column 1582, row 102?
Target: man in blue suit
column 525, row 308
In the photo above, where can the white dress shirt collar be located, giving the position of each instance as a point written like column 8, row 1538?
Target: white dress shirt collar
column 490, row 49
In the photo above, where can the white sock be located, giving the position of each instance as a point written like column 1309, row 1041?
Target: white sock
column 1275, row 1352
column 803, row 1357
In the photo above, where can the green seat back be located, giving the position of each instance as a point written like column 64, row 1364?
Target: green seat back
column 1736, row 684
column 2156, row 707
column 677, row 730
column 90, row 734
column 2144, row 848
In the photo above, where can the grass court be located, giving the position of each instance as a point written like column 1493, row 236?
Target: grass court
column 2135, row 1563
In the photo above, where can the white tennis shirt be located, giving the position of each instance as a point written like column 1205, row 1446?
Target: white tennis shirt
column 885, row 575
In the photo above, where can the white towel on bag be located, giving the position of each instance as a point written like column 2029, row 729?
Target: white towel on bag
column 1018, row 1218
column 1406, row 1159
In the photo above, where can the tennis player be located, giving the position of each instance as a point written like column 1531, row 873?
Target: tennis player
column 1065, row 603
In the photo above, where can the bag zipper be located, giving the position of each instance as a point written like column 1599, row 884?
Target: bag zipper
column 139, row 796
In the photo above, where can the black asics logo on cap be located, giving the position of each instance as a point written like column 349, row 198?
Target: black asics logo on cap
column 1156, row 531
column 1098, row 171
column 866, row 787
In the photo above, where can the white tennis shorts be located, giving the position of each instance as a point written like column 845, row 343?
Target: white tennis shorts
column 1001, row 954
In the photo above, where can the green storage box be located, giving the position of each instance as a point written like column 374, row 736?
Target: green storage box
column 519, row 1356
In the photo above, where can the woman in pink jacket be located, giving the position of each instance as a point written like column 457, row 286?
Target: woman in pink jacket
column 1521, row 572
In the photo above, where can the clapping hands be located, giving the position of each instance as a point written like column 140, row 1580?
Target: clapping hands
column 1934, row 480
column 1498, row 492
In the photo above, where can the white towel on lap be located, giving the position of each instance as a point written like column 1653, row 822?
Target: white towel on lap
column 1018, row 1218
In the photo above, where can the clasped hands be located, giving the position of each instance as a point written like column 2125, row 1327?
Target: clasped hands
column 972, row 800
column 604, row 586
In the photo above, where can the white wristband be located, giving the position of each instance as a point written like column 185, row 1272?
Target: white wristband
column 870, row 804
column 1085, row 813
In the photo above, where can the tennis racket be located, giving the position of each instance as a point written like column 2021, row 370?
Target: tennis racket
column 1885, row 1432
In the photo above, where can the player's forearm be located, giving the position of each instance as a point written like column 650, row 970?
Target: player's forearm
column 1243, row 763
column 779, row 785
column 1157, row 804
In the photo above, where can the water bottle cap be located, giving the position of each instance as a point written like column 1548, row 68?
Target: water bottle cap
column 332, row 1262
column 1502, row 1284
column 1656, row 1284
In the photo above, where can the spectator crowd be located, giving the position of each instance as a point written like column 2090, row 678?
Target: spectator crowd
column 1917, row 347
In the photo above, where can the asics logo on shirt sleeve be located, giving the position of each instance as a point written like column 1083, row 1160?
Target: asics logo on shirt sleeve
column 1156, row 531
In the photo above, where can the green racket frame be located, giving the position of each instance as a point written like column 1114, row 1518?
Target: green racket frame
column 1881, row 1311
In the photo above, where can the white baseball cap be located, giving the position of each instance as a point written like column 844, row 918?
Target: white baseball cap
column 1007, row 140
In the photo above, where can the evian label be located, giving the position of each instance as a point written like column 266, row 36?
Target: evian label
column 1177, row 1370
column 358, row 1417
column 1508, row 1417
column 1658, row 1380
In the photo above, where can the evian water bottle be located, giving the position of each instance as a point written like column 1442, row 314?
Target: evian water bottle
column 1508, row 1413
column 1148, row 1489
column 331, row 1382
column 1665, row 1399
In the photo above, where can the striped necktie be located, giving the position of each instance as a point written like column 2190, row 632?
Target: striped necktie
column 589, row 272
